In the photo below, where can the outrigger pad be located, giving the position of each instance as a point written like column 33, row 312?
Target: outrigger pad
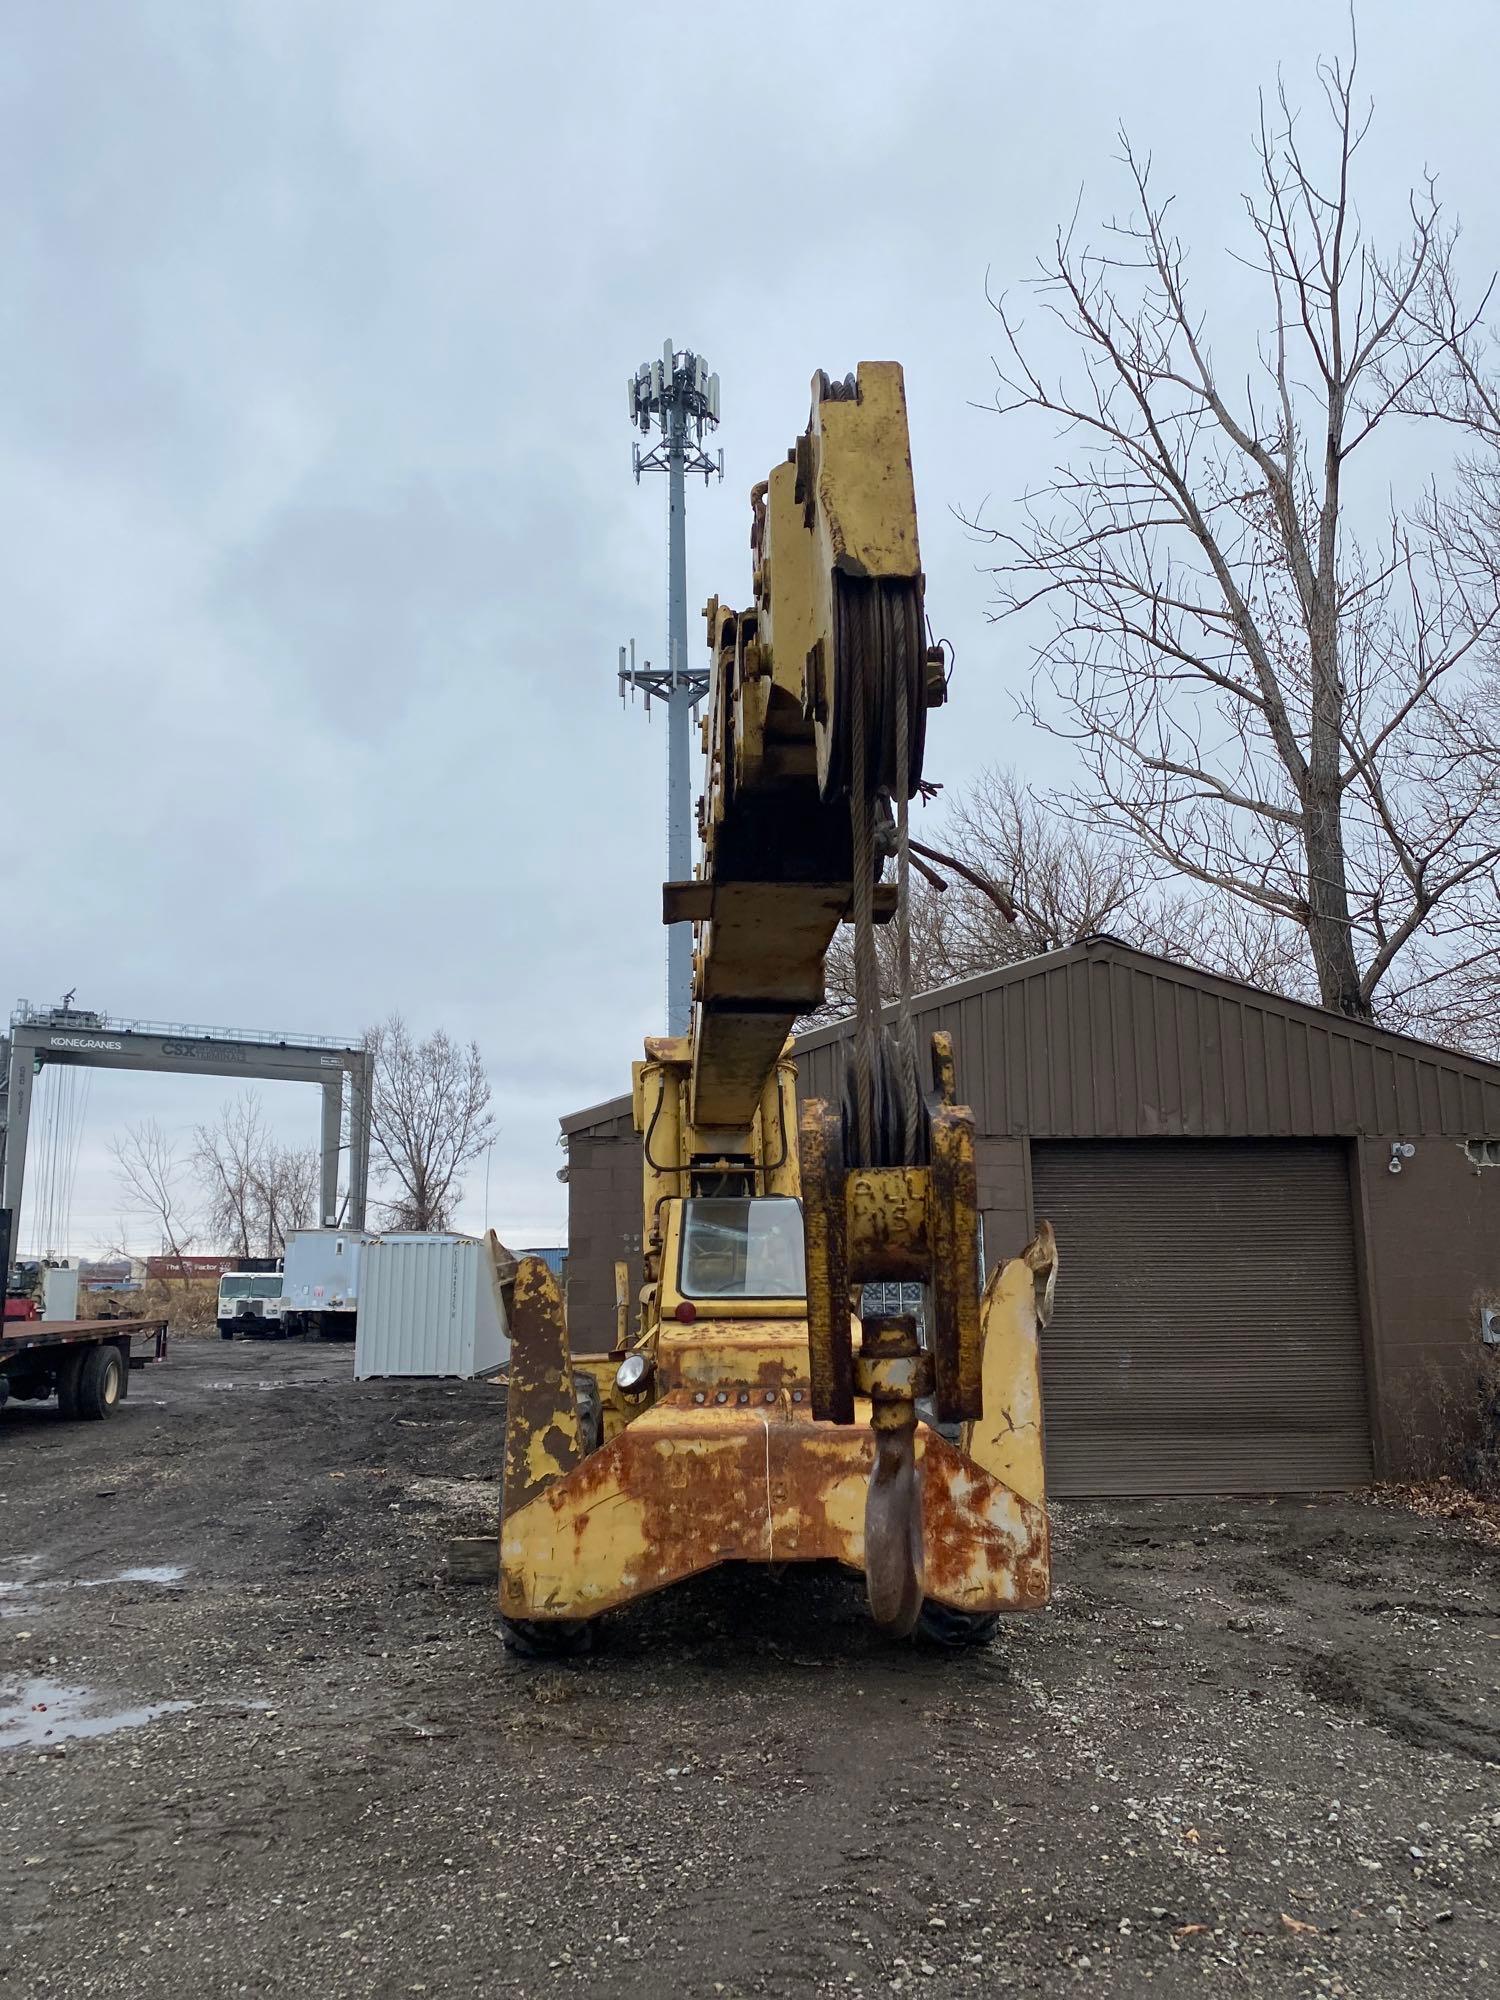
column 543, row 1440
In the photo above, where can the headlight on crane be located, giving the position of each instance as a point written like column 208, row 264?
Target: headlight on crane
column 633, row 1374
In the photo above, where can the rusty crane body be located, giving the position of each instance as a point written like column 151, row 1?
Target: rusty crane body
column 745, row 1411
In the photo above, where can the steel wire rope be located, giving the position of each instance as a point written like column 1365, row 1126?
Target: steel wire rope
column 905, row 1034
column 42, row 1222
column 83, row 1086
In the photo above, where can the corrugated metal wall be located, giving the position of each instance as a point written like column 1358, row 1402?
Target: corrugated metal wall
column 1104, row 1042
column 429, row 1306
column 1101, row 1042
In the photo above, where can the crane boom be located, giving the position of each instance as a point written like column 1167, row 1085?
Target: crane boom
column 837, row 613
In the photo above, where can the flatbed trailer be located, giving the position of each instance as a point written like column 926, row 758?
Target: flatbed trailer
column 85, row 1363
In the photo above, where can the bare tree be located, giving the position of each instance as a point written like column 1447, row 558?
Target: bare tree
column 944, row 948
column 226, row 1157
column 1062, row 880
column 255, row 1191
column 1006, row 879
column 429, row 1117
column 149, row 1171
column 287, row 1188
column 1265, row 703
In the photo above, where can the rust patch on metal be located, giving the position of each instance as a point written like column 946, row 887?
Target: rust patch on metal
column 957, row 1347
column 886, row 1223
column 824, row 1219
column 986, row 1548
column 772, row 1357
column 542, row 1440
column 1007, row 1438
column 687, row 1487
column 892, row 1371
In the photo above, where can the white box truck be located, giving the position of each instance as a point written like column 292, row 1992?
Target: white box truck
column 320, row 1276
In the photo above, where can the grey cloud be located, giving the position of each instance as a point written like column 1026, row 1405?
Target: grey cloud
column 319, row 535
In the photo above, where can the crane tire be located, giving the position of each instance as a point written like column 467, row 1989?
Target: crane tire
column 548, row 1638
column 941, row 1625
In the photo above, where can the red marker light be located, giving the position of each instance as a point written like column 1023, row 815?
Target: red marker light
column 687, row 1312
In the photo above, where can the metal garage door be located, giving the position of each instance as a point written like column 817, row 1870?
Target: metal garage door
column 1207, row 1335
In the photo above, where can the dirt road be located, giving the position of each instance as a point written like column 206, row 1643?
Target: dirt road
column 1254, row 1748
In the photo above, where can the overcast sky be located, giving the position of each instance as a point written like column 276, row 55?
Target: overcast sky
column 319, row 530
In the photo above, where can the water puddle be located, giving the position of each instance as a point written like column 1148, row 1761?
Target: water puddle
column 40, row 1713
column 18, row 1596
column 254, row 1385
column 163, row 1573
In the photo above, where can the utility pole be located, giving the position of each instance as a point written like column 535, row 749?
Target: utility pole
column 679, row 397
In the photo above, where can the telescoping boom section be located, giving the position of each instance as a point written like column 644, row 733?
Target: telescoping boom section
column 751, row 1404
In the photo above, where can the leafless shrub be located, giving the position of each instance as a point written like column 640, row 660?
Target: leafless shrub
column 190, row 1306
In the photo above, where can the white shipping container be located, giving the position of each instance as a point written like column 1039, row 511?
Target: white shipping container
column 429, row 1305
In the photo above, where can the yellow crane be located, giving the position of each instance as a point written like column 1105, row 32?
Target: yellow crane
column 744, row 1411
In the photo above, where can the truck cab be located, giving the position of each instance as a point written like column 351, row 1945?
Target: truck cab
column 250, row 1304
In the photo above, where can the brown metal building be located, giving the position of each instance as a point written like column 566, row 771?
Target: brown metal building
column 1279, row 1230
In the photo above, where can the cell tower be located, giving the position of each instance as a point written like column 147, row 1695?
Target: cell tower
column 679, row 397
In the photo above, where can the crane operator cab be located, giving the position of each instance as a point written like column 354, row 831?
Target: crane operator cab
column 742, row 1248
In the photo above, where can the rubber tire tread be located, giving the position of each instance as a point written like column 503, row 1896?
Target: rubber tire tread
column 548, row 1639
column 941, row 1625
column 98, row 1364
column 590, row 1414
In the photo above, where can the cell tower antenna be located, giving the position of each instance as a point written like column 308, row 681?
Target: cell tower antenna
column 678, row 397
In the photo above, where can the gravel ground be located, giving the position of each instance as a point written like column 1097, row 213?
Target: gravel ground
column 1253, row 1748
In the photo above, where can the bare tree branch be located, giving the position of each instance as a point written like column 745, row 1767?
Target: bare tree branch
column 149, row 1173
column 1264, row 705
column 429, row 1118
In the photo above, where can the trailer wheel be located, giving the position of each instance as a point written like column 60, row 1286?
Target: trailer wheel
column 548, row 1638
column 954, row 1630
column 100, row 1382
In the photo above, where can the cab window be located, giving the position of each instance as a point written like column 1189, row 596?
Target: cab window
column 742, row 1249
